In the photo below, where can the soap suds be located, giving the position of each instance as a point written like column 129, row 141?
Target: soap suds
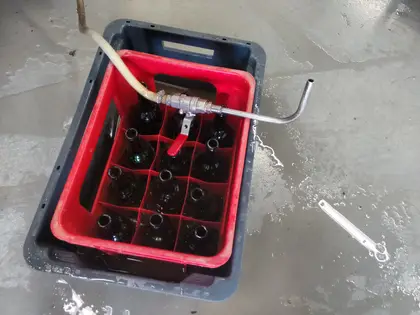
column 75, row 305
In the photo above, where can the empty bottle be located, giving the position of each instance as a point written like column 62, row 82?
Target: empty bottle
column 209, row 165
column 124, row 188
column 174, row 126
column 115, row 227
column 220, row 131
column 139, row 153
column 159, row 233
column 146, row 117
column 199, row 240
column 203, row 205
column 165, row 195
column 179, row 164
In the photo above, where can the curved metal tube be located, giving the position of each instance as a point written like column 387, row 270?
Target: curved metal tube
column 302, row 104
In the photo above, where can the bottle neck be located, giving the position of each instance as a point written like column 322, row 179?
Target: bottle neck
column 156, row 221
column 115, row 173
column 201, row 232
column 165, row 176
column 212, row 145
column 131, row 134
column 104, row 221
column 197, row 194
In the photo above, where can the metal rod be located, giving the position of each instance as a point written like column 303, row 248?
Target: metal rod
column 302, row 104
column 81, row 14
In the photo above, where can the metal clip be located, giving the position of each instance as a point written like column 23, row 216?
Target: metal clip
column 186, row 123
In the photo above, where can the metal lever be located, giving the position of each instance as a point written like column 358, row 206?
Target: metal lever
column 197, row 105
column 183, row 136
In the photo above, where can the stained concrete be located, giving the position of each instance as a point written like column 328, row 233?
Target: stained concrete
column 355, row 146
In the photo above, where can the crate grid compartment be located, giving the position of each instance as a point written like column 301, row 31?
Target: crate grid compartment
column 73, row 224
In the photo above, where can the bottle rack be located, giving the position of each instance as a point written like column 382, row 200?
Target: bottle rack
column 74, row 224
column 186, row 214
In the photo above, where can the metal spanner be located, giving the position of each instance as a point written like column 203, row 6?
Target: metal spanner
column 378, row 249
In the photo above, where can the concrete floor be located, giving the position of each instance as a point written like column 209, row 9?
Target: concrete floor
column 356, row 146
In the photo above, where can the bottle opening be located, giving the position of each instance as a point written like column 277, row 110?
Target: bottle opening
column 212, row 144
column 114, row 172
column 197, row 194
column 104, row 220
column 201, row 232
column 131, row 134
column 165, row 175
column 156, row 220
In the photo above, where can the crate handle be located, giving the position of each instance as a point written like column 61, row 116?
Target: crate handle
column 174, row 46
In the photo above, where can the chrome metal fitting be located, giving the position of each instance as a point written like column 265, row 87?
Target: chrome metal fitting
column 187, row 104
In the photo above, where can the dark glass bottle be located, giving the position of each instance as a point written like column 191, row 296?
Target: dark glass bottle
column 203, row 205
column 115, row 227
column 146, row 117
column 159, row 233
column 209, row 165
column 139, row 153
column 124, row 189
column 178, row 164
column 165, row 195
column 220, row 131
column 174, row 126
column 199, row 240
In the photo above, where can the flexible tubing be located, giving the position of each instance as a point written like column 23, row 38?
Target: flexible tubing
column 121, row 67
column 112, row 55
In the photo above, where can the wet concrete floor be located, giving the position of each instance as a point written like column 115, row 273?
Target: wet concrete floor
column 357, row 146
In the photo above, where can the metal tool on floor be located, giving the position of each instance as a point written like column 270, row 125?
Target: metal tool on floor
column 379, row 250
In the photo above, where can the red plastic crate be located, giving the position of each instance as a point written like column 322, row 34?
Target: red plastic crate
column 74, row 224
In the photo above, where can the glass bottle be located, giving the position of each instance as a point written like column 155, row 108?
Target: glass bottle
column 115, row 227
column 203, row 205
column 174, row 126
column 209, row 165
column 178, row 164
column 165, row 195
column 124, row 189
column 139, row 153
column 200, row 240
column 146, row 117
column 220, row 131
column 159, row 233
